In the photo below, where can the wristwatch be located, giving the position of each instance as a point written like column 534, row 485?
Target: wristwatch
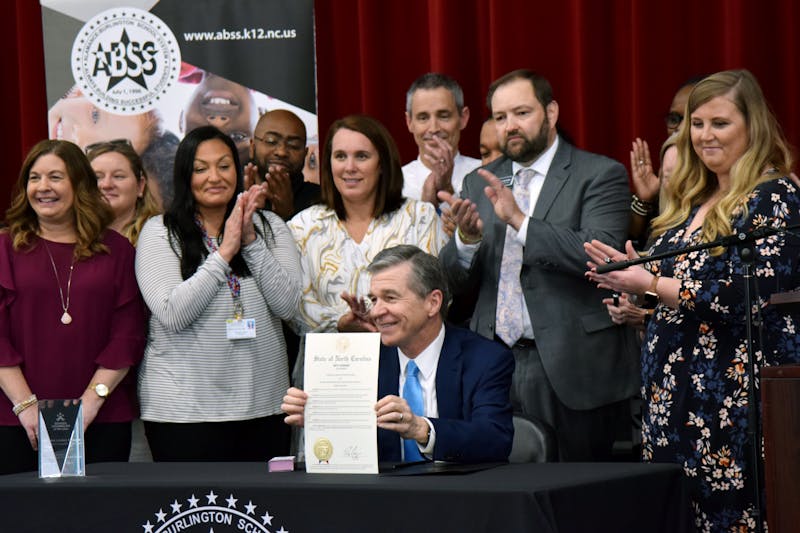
column 100, row 389
column 650, row 300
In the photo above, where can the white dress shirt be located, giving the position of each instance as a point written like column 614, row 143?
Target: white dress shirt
column 541, row 166
column 415, row 173
column 427, row 362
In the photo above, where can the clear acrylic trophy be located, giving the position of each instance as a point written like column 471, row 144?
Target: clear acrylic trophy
column 61, row 451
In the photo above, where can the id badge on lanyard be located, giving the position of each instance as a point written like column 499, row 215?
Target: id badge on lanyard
column 237, row 327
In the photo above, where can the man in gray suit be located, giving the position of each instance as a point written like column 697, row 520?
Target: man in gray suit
column 522, row 221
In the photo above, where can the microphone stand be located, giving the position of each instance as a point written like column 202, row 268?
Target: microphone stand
column 744, row 241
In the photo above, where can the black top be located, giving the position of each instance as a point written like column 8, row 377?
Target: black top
column 305, row 193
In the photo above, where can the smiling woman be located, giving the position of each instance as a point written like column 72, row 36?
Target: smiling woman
column 122, row 180
column 218, row 276
column 63, row 273
column 363, row 212
column 730, row 178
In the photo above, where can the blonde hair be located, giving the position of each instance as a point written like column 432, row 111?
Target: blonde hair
column 693, row 183
column 671, row 141
column 146, row 205
column 91, row 214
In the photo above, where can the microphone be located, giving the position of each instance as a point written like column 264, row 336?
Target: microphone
column 736, row 239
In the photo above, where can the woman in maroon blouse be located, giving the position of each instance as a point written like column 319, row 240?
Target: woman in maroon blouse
column 71, row 316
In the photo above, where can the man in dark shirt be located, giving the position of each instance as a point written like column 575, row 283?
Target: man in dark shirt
column 278, row 152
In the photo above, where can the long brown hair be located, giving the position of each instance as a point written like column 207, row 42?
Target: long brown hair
column 91, row 214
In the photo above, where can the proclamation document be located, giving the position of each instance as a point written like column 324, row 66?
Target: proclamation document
column 341, row 379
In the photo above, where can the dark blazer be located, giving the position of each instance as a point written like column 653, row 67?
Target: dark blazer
column 588, row 359
column 473, row 381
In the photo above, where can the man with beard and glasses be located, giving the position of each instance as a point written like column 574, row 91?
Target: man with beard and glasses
column 519, row 242
column 278, row 154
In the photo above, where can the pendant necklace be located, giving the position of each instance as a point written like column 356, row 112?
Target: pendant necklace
column 66, row 318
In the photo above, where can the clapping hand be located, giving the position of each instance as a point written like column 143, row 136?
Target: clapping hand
column 252, row 200
column 501, row 197
column 252, row 180
column 232, row 239
column 464, row 214
column 632, row 280
column 357, row 317
column 448, row 222
column 440, row 159
column 645, row 182
column 279, row 191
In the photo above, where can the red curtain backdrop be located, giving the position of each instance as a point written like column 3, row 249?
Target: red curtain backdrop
column 614, row 64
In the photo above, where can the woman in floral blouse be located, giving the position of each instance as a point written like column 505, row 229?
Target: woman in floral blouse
column 362, row 212
column 731, row 177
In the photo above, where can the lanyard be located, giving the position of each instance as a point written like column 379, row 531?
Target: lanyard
column 233, row 280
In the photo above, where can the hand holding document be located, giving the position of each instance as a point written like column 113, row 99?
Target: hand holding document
column 341, row 380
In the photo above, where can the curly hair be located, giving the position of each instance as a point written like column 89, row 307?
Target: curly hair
column 91, row 214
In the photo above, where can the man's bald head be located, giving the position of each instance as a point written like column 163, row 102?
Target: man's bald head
column 279, row 139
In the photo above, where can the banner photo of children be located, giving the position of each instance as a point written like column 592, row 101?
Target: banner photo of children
column 149, row 72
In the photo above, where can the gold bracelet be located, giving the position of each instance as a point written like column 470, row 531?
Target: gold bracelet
column 654, row 284
column 21, row 406
column 467, row 240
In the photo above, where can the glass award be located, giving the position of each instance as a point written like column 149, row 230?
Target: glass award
column 61, row 451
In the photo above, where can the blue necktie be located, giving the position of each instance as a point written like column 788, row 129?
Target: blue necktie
column 412, row 392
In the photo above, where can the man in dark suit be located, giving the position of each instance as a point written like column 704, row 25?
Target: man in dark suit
column 464, row 378
column 522, row 221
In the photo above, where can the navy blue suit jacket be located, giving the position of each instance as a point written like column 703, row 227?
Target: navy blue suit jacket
column 473, row 381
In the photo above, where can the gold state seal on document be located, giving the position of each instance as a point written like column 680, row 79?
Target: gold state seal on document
column 323, row 450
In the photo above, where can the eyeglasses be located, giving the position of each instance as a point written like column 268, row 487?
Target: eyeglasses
column 673, row 119
column 295, row 145
column 107, row 144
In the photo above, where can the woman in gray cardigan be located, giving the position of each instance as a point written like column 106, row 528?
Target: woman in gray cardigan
column 218, row 276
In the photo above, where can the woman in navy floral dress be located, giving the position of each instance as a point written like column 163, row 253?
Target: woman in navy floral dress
column 730, row 178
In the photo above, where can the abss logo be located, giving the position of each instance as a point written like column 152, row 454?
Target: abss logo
column 125, row 59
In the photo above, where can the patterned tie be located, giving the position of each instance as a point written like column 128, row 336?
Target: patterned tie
column 412, row 392
column 510, row 300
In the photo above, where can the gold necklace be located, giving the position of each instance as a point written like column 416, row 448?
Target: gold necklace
column 66, row 318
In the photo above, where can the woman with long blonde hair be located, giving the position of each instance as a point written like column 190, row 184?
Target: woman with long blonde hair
column 730, row 178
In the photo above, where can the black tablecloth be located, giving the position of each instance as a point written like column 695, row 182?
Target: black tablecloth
column 222, row 497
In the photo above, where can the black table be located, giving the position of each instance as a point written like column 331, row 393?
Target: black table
column 223, row 497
